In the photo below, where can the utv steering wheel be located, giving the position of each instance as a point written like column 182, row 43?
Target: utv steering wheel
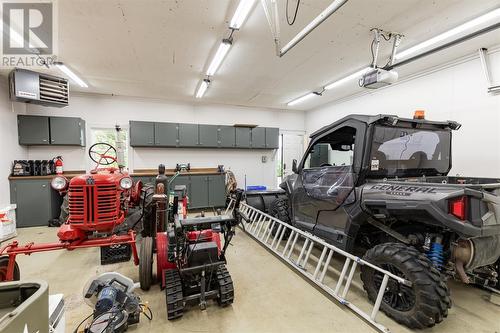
column 102, row 158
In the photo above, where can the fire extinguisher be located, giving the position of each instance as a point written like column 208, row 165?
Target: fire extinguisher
column 59, row 165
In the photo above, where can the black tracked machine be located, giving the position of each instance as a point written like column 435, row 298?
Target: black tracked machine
column 190, row 252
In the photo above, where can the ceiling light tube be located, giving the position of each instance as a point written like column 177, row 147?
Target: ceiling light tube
column 241, row 13
column 301, row 99
column 348, row 78
column 63, row 68
column 202, row 88
column 219, row 56
column 495, row 14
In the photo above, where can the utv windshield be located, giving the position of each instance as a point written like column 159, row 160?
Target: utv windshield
column 409, row 152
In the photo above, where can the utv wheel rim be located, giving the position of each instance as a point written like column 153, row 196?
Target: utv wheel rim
column 397, row 295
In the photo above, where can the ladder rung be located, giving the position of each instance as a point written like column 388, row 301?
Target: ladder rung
column 293, row 245
column 292, row 234
column 342, row 275
column 320, row 261
column 299, row 259
column 269, row 231
column 349, row 279
column 308, row 254
column 380, row 295
column 325, row 267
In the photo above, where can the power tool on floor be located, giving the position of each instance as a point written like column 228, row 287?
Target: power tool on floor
column 115, row 304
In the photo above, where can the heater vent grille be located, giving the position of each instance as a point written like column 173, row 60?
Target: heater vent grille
column 53, row 89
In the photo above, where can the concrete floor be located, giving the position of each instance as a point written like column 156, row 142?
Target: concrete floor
column 269, row 297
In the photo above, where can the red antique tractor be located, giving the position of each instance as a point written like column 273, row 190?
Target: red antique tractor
column 102, row 211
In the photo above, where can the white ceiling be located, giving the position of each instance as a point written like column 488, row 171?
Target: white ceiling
column 161, row 48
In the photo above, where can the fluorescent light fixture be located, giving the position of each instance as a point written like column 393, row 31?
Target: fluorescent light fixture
column 495, row 14
column 347, row 78
column 202, row 88
column 63, row 68
column 241, row 13
column 301, row 99
column 219, row 56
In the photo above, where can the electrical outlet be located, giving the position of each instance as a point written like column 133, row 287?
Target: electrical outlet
column 264, row 159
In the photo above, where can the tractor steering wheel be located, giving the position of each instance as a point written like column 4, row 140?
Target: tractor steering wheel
column 102, row 158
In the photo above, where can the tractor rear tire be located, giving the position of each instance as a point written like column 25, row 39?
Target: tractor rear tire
column 146, row 263
column 424, row 304
column 148, row 211
column 226, row 287
column 4, row 262
column 174, row 295
column 279, row 209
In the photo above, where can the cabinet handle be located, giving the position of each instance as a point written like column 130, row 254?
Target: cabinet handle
column 44, row 185
column 44, row 140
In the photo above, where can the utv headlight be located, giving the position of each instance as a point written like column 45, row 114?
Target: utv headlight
column 126, row 183
column 59, row 183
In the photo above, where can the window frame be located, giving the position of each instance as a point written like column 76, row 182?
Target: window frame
column 358, row 144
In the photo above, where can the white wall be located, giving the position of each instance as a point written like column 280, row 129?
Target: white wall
column 454, row 93
column 9, row 148
column 106, row 111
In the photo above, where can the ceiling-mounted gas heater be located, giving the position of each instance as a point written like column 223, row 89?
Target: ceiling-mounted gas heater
column 38, row 88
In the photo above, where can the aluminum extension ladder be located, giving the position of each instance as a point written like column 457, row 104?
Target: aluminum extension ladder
column 259, row 226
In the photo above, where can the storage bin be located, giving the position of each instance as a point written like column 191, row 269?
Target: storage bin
column 7, row 222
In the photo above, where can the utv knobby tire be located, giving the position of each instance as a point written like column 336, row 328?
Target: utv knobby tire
column 279, row 209
column 146, row 263
column 429, row 294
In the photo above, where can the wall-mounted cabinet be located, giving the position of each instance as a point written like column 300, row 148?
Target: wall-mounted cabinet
column 227, row 136
column 42, row 130
column 203, row 191
column 166, row 134
column 149, row 134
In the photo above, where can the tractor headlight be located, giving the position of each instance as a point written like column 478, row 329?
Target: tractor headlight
column 126, row 183
column 59, row 183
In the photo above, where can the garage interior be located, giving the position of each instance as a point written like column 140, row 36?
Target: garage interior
column 255, row 151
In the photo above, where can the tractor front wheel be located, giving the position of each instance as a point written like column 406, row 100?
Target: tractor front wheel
column 146, row 263
column 422, row 305
column 4, row 264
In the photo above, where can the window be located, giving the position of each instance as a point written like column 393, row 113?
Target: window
column 335, row 149
column 109, row 135
column 410, row 152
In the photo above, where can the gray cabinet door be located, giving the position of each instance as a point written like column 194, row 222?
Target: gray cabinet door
column 258, row 137
column 227, row 136
column 209, row 135
column 33, row 130
column 272, row 137
column 188, row 135
column 242, row 137
column 33, row 200
column 198, row 191
column 142, row 133
column 216, row 190
column 67, row 131
column 167, row 134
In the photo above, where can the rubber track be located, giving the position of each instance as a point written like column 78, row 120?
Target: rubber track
column 226, row 288
column 174, row 296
